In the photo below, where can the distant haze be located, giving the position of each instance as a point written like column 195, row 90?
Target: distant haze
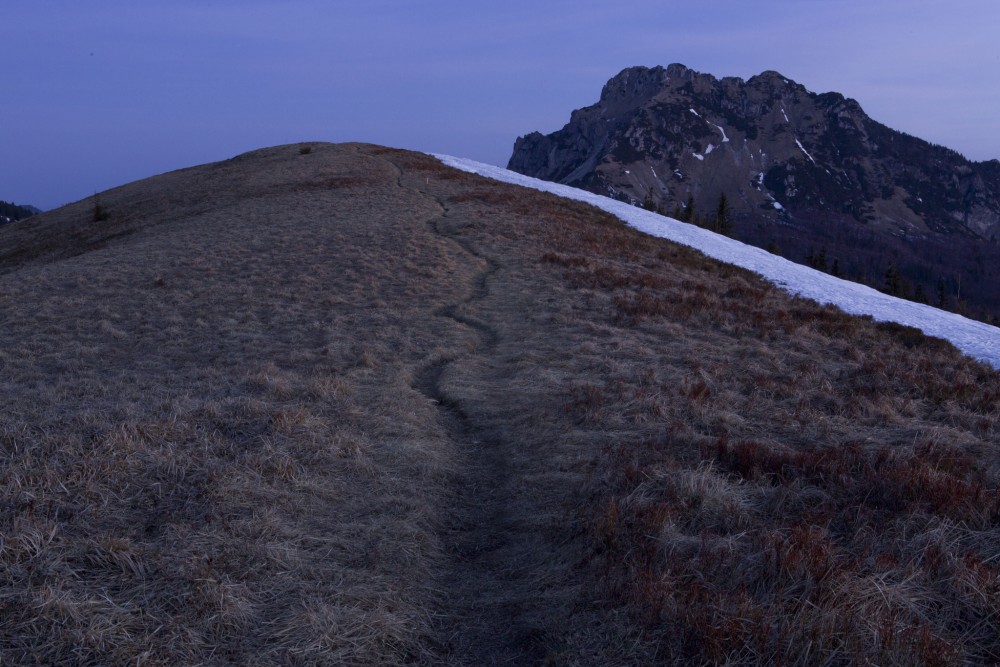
column 106, row 92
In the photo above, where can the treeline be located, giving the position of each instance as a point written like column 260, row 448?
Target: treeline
column 882, row 269
column 10, row 212
column 719, row 221
column 943, row 292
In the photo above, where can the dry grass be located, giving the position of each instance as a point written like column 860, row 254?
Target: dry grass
column 788, row 485
column 778, row 483
column 218, row 446
column 210, row 450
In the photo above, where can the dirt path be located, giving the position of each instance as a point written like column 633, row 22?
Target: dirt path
column 486, row 585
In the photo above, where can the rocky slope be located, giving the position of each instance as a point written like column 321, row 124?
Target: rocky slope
column 809, row 175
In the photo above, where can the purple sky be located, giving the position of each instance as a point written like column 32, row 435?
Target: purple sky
column 103, row 92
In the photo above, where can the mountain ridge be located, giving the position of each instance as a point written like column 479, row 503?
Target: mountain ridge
column 801, row 171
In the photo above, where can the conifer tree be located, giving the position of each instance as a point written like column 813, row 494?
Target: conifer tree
column 648, row 202
column 98, row 213
column 817, row 260
column 821, row 259
column 689, row 215
column 723, row 216
column 892, row 282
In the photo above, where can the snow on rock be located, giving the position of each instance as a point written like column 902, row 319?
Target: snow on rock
column 695, row 113
column 709, row 149
column 976, row 339
column 785, row 115
column 725, row 139
column 699, row 156
column 799, row 144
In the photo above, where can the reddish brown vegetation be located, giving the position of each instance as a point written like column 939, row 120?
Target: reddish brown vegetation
column 836, row 503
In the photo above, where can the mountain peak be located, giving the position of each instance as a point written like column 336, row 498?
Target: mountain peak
column 771, row 77
column 786, row 158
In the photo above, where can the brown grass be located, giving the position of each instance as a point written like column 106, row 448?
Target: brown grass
column 780, row 483
column 327, row 407
column 204, row 459
column 830, row 497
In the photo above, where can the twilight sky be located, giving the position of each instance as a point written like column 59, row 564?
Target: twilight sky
column 104, row 92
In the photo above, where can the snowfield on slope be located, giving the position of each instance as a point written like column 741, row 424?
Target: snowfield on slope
column 976, row 339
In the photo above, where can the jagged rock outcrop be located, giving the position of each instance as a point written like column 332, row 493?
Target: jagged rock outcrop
column 801, row 171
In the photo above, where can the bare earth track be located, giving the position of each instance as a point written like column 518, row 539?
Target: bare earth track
column 486, row 589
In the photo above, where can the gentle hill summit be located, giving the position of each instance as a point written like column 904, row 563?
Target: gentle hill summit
column 810, row 176
column 341, row 404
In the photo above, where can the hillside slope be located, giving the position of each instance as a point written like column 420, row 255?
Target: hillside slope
column 809, row 175
column 977, row 339
column 342, row 404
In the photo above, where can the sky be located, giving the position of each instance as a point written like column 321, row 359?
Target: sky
column 105, row 92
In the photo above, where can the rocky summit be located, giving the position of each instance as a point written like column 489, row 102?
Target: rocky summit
column 808, row 175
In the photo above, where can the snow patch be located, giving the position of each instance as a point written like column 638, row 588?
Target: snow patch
column 976, row 339
column 709, row 149
column 779, row 206
column 700, row 157
column 785, row 115
column 724, row 137
column 695, row 113
column 799, row 143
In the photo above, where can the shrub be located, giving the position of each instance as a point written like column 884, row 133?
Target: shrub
column 98, row 212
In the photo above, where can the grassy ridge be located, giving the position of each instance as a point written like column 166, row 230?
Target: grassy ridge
column 253, row 416
column 211, row 451
column 778, row 483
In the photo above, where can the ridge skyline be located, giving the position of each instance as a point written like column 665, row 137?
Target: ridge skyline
column 108, row 94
